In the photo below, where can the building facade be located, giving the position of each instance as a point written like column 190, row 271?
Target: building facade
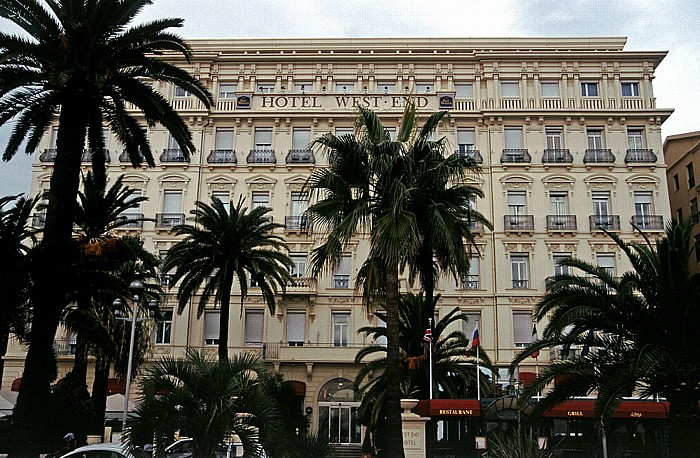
column 567, row 133
column 682, row 153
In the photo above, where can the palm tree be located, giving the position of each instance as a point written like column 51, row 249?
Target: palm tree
column 223, row 245
column 453, row 369
column 78, row 61
column 638, row 330
column 15, row 233
column 378, row 184
column 208, row 401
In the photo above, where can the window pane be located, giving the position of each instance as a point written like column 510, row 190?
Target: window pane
column 345, row 88
column 465, row 137
column 254, row 327
column 263, row 137
column 301, row 138
column 224, row 138
column 227, row 90
column 464, row 90
column 510, row 89
column 298, row 265
column 550, row 89
column 522, row 328
column 302, row 88
column 211, row 327
column 635, row 139
column 341, row 322
column 172, row 202
column 295, row 327
column 513, row 137
column 386, row 88
column 164, row 328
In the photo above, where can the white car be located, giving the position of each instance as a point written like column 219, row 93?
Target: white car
column 183, row 449
column 106, row 451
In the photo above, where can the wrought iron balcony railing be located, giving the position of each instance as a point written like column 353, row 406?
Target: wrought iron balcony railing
column 607, row 222
column 49, row 155
column 476, row 227
column 87, row 155
column 519, row 222
column 648, row 222
column 169, row 219
column 124, row 157
column 133, row 220
column 341, row 281
column 173, row 155
column 470, row 282
column 640, row 156
column 598, row 156
column 296, row 223
column 515, row 156
column 520, row 284
column 561, row 222
column 557, row 156
column 300, row 156
column 473, row 154
column 261, row 156
column 222, row 156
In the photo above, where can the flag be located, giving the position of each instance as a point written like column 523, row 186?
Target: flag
column 474, row 341
column 428, row 337
column 533, row 339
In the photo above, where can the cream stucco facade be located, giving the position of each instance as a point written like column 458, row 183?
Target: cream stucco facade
column 567, row 130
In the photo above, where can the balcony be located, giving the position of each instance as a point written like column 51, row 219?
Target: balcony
column 168, row 220
column 520, row 284
column 222, row 156
column 648, row 222
column 39, row 219
column 132, row 220
column 65, row 347
column 296, row 223
column 341, row 281
column 607, row 222
column 302, row 286
column 557, row 156
column 49, row 155
column 300, row 156
column 472, row 154
column 87, row 155
column 470, row 282
column 598, row 156
column 124, row 157
column 561, row 223
column 519, row 223
column 640, row 156
column 173, row 155
column 515, row 156
column 261, row 156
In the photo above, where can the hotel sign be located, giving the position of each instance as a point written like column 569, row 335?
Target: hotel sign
column 456, row 412
column 317, row 103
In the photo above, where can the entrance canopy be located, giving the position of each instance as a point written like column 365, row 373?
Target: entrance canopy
column 448, row 408
column 585, row 408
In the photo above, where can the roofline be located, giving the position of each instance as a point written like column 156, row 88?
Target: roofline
column 681, row 136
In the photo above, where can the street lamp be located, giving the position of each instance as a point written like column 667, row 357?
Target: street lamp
column 136, row 287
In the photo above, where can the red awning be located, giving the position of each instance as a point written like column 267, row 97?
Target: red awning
column 448, row 408
column 578, row 408
column 299, row 388
column 527, row 378
column 114, row 386
column 16, row 383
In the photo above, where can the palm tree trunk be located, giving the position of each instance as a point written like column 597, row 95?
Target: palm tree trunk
column 99, row 389
column 51, row 268
column 80, row 362
column 224, row 294
column 394, row 439
column 684, row 424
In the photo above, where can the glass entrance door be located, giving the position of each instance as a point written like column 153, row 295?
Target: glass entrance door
column 342, row 422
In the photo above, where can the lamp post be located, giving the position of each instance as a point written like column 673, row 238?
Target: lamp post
column 136, row 287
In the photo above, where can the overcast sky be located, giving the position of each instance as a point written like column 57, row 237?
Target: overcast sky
column 660, row 25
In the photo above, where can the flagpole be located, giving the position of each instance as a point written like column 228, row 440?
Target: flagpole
column 478, row 379
column 537, row 374
column 430, row 359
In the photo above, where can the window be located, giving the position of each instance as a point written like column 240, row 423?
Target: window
column 254, row 328
column 345, row 88
column 224, row 138
column 180, row 92
column 341, row 275
column 464, row 90
column 630, row 89
column 694, row 209
column 224, row 197
column 386, row 88
column 301, row 138
column 601, row 203
column 554, row 138
column 549, row 89
column 510, row 89
column 595, row 139
column 589, row 89
column 341, row 329
column 557, row 259
column 472, row 318
column 298, row 265
column 697, row 247
column 522, row 328
column 471, row 281
column 227, row 90
column 516, row 203
column 54, row 137
column 519, row 270
column 465, row 139
column 691, row 175
column 302, row 88
column 381, row 323
column 642, row 204
column 261, row 199
column 343, row 131
column 676, row 183
column 424, row 88
column 635, row 138
column 211, row 328
column 296, row 322
column 173, row 144
column 164, row 328
column 172, row 202
column 606, row 261
column 263, row 138
column 679, row 214
column 266, row 88
column 513, row 137
column 559, row 203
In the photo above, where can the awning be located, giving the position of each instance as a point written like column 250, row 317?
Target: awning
column 114, row 386
column 448, row 408
column 16, row 383
column 299, row 388
column 585, row 408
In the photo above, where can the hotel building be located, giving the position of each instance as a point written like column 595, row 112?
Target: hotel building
column 567, row 132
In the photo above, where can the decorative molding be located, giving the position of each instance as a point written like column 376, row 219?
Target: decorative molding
column 519, row 247
column 471, row 300
column 521, row 300
column 562, row 247
column 603, row 247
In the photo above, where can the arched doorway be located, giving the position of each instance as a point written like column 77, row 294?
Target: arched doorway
column 338, row 412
